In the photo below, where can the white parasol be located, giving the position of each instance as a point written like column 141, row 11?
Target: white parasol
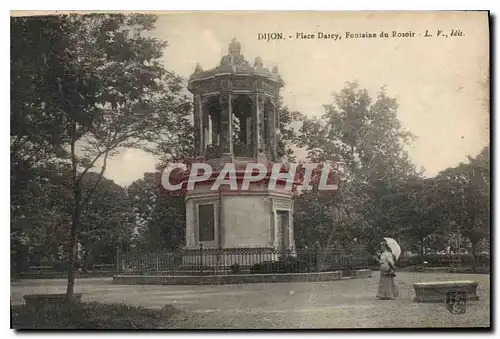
column 394, row 246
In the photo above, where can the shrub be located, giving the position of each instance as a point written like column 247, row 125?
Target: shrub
column 371, row 261
column 285, row 265
column 235, row 268
column 265, row 267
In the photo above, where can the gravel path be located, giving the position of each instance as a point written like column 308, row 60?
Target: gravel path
column 335, row 304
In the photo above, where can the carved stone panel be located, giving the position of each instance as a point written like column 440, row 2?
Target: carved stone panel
column 282, row 205
column 224, row 99
column 259, row 85
column 206, row 86
column 225, row 84
column 242, row 83
column 268, row 88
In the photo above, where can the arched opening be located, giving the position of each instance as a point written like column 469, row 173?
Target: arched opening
column 242, row 126
column 212, row 123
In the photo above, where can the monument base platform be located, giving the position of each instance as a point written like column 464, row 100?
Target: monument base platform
column 230, row 279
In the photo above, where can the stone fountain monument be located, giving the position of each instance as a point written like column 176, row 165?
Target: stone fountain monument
column 236, row 120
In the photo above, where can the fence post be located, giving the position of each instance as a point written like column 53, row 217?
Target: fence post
column 201, row 258
column 118, row 259
column 366, row 256
column 316, row 256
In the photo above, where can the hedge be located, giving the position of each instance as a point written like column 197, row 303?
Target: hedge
column 288, row 265
column 434, row 260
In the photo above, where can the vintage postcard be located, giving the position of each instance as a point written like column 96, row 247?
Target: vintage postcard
column 250, row 170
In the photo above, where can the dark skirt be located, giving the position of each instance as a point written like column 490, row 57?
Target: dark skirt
column 387, row 289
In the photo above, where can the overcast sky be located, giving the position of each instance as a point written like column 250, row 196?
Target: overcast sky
column 441, row 83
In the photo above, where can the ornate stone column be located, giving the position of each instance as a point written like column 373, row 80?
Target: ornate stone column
column 277, row 128
column 276, row 103
column 198, row 128
column 248, row 130
column 272, row 130
column 279, row 231
column 206, row 126
column 230, row 118
column 262, row 120
column 255, row 126
column 226, row 124
column 268, row 128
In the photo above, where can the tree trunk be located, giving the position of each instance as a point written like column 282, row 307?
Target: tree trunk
column 73, row 238
column 73, row 243
column 73, row 246
column 78, row 204
column 474, row 255
column 422, row 251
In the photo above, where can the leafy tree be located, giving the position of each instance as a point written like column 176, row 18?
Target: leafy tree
column 36, row 131
column 105, row 89
column 107, row 220
column 160, row 219
column 289, row 123
column 469, row 202
column 419, row 212
column 39, row 216
column 368, row 137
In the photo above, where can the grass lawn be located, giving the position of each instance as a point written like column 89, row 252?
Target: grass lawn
column 90, row 316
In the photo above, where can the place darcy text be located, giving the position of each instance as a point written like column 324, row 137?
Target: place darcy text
column 359, row 35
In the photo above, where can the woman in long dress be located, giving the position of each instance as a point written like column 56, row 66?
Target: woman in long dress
column 387, row 289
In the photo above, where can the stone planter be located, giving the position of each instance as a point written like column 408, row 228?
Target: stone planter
column 39, row 300
column 436, row 291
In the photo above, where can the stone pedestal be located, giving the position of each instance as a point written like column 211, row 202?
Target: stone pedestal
column 253, row 220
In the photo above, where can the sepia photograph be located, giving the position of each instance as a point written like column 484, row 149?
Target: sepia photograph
column 250, row 170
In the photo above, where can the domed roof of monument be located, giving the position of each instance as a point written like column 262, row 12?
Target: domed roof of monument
column 235, row 63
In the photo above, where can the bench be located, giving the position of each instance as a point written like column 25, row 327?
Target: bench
column 37, row 270
column 39, row 300
column 436, row 291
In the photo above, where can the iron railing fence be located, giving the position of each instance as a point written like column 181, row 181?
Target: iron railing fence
column 51, row 271
column 210, row 261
